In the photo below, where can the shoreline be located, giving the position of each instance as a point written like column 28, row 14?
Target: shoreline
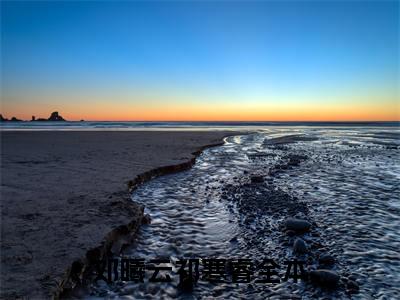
column 165, row 170
column 123, row 233
column 117, row 209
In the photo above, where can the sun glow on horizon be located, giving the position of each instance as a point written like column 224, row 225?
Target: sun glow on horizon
column 212, row 61
column 267, row 111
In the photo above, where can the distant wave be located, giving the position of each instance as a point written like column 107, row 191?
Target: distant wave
column 97, row 125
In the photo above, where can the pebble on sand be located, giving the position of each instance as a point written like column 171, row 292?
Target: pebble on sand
column 297, row 225
column 324, row 278
column 146, row 219
column 257, row 179
column 290, row 232
column 300, row 246
column 326, row 259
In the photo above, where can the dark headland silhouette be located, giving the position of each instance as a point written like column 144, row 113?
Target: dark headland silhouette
column 53, row 117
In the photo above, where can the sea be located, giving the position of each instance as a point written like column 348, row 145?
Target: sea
column 148, row 125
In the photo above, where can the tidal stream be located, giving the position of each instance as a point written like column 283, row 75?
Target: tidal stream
column 344, row 181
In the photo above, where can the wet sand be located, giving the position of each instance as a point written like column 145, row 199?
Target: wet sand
column 63, row 192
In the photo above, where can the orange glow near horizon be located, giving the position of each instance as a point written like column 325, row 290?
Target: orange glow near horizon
column 178, row 61
column 218, row 112
column 353, row 104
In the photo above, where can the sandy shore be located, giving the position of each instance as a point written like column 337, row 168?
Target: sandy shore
column 63, row 192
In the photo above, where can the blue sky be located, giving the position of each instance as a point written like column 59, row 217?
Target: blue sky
column 58, row 54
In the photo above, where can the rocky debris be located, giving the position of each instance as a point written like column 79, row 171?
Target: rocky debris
column 326, row 259
column 146, row 219
column 297, row 225
column 324, row 278
column 263, row 199
column 14, row 119
column 257, row 179
column 300, row 246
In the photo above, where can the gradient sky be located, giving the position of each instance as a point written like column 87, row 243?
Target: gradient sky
column 287, row 60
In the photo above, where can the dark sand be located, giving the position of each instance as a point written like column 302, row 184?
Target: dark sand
column 63, row 192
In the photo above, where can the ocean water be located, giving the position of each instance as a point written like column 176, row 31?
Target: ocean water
column 345, row 180
column 94, row 125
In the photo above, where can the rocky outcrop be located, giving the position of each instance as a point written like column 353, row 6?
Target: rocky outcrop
column 55, row 117
column 13, row 119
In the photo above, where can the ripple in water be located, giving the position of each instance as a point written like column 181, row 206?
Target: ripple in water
column 347, row 184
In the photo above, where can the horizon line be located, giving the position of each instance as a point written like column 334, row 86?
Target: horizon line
column 222, row 121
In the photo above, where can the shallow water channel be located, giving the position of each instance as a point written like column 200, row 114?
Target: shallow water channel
column 344, row 181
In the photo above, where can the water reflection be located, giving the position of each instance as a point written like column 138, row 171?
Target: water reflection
column 348, row 185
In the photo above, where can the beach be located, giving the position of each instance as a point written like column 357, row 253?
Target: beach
column 200, row 150
column 326, row 197
column 64, row 192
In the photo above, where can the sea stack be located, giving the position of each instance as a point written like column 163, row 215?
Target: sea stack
column 55, row 117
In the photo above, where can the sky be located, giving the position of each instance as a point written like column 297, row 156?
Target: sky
column 201, row 60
